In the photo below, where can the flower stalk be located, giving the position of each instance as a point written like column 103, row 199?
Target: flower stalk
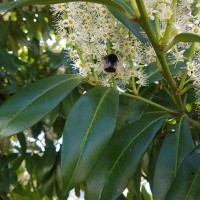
column 160, row 107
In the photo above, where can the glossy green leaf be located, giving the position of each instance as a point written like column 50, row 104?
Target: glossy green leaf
column 28, row 106
column 88, row 129
column 9, row 61
column 58, row 178
column 117, row 4
column 187, row 37
column 50, row 118
column 45, row 163
column 154, row 150
column 133, row 109
column 132, row 25
column 174, row 149
column 183, row 37
column 121, row 158
column 186, row 183
column 46, row 185
column 25, row 194
column 153, row 73
column 69, row 101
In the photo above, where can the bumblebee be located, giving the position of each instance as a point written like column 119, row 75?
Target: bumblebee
column 111, row 61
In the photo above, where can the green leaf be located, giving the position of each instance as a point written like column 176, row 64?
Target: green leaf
column 9, row 61
column 45, row 164
column 50, row 118
column 32, row 165
column 186, row 37
column 133, row 109
column 117, row 4
column 58, row 178
column 174, row 149
column 145, row 194
column 182, row 37
column 22, row 193
column 153, row 73
column 88, row 129
column 46, row 185
column 154, row 151
column 4, row 33
column 132, row 25
column 32, row 103
column 22, row 141
column 121, row 158
column 121, row 197
column 186, row 183
column 69, row 101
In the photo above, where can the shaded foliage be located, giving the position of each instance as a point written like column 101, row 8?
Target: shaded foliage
column 58, row 132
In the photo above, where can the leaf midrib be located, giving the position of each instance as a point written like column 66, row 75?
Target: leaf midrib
column 177, row 147
column 194, row 180
column 86, row 136
column 125, row 149
column 33, row 100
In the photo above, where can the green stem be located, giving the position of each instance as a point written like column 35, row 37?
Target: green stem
column 148, row 102
column 194, row 123
column 188, row 87
column 157, row 23
column 166, row 72
column 79, row 54
column 93, row 71
column 32, row 182
column 169, row 93
column 135, row 8
column 145, row 23
column 168, row 47
column 114, row 82
column 95, row 76
column 196, row 10
column 192, row 50
column 159, row 66
column 168, row 76
column 108, row 45
column 133, row 85
column 182, row 83
column 169, row 25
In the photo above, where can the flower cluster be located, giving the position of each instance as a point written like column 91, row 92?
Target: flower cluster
column 93, row 33
column 185, row 18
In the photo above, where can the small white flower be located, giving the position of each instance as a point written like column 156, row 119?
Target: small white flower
column 58, row 8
